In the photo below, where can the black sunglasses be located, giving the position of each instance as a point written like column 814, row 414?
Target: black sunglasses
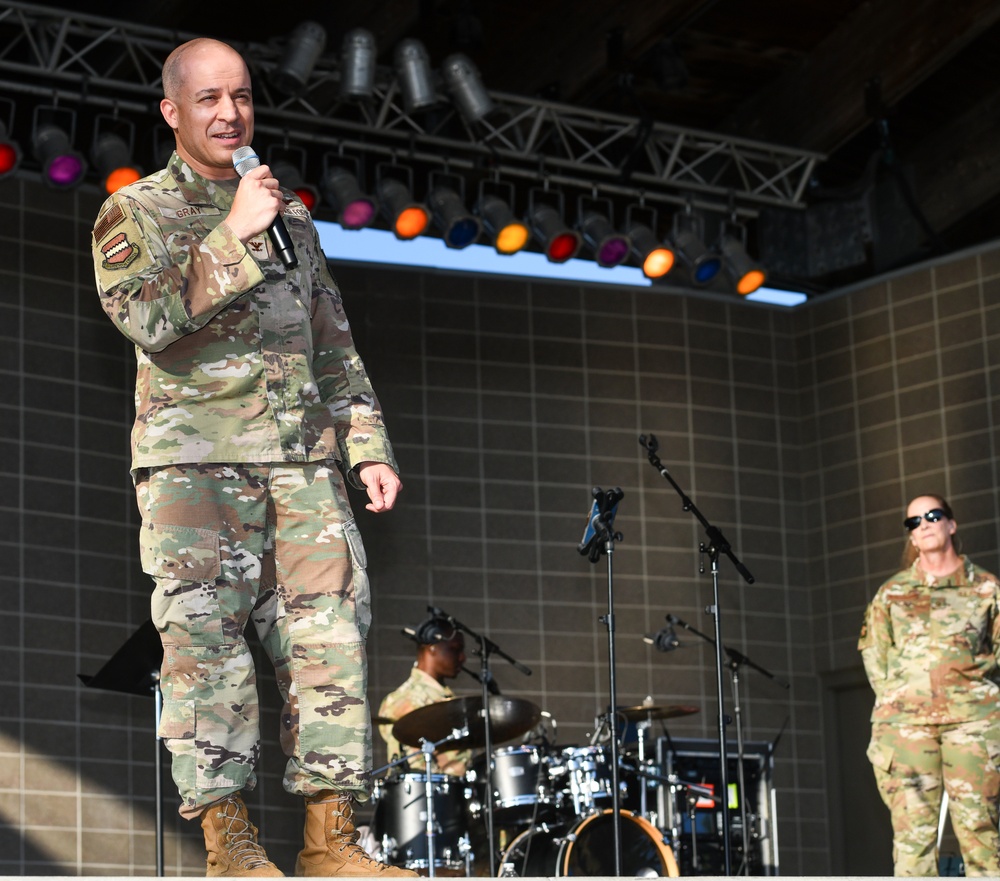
column 931, row 516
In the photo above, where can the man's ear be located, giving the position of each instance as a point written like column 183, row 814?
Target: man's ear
column 169, row 111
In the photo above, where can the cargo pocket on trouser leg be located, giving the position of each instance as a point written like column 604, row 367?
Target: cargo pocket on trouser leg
column 334, row 731
column 880, row 755
column 210, row 720
column 177, row 730
column 331, row 679
column 185, row 564
column 362, row 587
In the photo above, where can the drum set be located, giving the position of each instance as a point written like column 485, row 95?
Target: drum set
column 539, row 809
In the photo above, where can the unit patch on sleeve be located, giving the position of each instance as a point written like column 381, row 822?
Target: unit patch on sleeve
column 119, row 252
column 119, row 246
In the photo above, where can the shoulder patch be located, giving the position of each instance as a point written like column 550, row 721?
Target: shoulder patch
column 120, row 251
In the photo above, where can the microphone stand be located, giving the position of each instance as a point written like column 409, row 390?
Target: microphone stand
column 486, row 648
column 736, row 660
column 599, row 537
column 717, row 544
column 427, row 748
column 491, row 683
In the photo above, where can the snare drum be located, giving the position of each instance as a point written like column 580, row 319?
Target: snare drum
column 587, row 848
column 586, row 778
column 519, row 784
column 401, row 821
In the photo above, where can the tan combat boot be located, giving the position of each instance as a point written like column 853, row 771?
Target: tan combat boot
column 231, row 842
column 331, row 842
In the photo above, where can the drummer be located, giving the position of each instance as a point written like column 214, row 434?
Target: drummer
column 440, row 656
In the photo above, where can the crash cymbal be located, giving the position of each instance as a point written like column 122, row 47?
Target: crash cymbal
column 509, row 718
column 665, row 711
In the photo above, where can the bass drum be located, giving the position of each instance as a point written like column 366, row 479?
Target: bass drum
column 588, row 848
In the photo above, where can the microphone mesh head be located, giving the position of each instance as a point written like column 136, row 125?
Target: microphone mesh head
column 244, row 160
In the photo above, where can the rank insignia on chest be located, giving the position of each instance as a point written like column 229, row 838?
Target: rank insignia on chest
column 259, row 247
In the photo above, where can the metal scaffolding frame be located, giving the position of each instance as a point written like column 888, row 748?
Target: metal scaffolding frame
column 92, row 62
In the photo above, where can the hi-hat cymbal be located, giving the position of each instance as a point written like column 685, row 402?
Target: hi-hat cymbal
column 665, row 711
column 509, row 718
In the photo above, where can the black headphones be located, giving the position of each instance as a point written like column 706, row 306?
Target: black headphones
column 435, row 629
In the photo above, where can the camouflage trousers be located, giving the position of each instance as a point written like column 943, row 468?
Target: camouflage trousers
column 914, row 765
column 276, row 545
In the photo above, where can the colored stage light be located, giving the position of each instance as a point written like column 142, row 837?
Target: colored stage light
column 62, row 166
column 10, row 153
column 10, row 150
column 746, row 273
column 558, row 241
column 111, row 156
column 655, row 258
column 459, row 228
column 509, row 235
column 407, row 217
column 610, row 248
column 9, row 158
column 355, row 209
column 703, row 263
column 290, row 176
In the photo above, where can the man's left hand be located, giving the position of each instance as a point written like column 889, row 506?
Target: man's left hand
column 382, row 484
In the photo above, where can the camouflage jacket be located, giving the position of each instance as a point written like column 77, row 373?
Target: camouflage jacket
column 931, row 646
column 237, row 359
column 419, row 690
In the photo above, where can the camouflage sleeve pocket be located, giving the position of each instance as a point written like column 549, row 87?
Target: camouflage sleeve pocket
column 182, row 552
column 177, row 721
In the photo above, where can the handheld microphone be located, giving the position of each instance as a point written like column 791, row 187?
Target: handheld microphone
column 244, row 160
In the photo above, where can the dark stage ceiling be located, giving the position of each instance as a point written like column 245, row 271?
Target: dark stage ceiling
column 899, row 100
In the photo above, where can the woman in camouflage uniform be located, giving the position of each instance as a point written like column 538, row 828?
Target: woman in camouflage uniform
column 929, row 644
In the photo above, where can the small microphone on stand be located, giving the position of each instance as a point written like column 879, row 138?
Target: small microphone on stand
column 435, row 612
column 664, row 640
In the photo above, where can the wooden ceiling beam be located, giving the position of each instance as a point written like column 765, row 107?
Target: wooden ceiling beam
column 820, row 103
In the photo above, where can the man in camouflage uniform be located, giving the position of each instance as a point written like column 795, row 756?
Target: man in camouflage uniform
column 440, row 656
column 250, row 400
column 930, row 644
